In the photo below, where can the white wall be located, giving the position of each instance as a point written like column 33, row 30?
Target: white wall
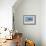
column 31, row 7
column 43, row 22
column 6, row 13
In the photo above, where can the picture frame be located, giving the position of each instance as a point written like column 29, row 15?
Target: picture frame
column 29, row 19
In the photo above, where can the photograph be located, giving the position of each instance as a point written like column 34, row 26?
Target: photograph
column 29, row 19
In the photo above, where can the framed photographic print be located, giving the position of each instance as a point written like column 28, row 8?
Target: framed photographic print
column 29, row 19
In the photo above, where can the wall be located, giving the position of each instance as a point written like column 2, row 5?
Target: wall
column 6, row 13
column 43, row 22
column 28, row 7
column 6, row 16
